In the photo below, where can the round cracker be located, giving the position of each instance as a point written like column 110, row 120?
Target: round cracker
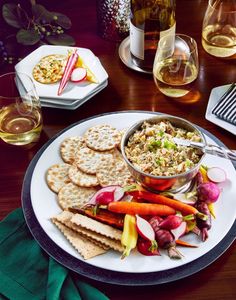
column 57, row 176
column 71, row 195
column 88, row 160
column 114, row 172
column 117, row 154
column 102, row 137
column 82, row 179
column 50, row 68
column 69, row 147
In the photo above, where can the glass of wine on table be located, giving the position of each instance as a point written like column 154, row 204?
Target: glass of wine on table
column 176, row 65
column 219, row 29
column 20, row 110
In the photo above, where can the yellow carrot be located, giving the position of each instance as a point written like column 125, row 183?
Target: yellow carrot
column 203, row 172
column 129, row 236
column 212, row 209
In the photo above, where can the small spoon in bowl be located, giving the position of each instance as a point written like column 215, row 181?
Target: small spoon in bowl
column 207, row 148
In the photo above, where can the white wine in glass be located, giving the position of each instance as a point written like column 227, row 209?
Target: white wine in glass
column 219, row 29
column 20, row 110
column 176, row 65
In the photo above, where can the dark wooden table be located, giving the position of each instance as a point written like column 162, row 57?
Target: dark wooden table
column 129, row 90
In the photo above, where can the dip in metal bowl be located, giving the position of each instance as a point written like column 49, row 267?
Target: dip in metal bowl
column 170, row 180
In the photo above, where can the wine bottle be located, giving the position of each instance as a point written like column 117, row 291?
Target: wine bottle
column 149, row 21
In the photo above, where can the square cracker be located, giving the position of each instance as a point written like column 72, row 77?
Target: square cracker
column 85, row 247
column 103, row 241
column 95, row 237
column 96, row 226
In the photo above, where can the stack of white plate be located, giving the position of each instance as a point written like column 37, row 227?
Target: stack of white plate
column 216, row 94
column 74, row 94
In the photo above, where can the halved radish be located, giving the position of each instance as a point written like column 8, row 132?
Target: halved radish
column 107, row 194
column 216, row 174
column 78, row 74
column 179, row 231
column 145, row 229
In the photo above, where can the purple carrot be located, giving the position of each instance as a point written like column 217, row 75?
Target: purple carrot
column 204, row 225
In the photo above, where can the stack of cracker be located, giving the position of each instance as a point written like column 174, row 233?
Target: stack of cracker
column 89, row 237
column 91, row 161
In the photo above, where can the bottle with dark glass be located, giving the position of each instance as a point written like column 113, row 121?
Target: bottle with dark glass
column 149, row 21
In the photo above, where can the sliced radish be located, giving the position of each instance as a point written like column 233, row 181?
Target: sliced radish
column 78, row 74
column 119, row 193
column 216, row 174
column 179, row 231
column 107, row 194
column 145, row 229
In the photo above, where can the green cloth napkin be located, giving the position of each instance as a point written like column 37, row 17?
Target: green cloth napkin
column 27, row 272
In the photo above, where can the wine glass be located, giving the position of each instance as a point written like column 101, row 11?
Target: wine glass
column 20, row 110
column 219, row 28
column 176, row 65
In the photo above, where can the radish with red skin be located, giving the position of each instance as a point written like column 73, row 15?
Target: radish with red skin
column 78, row 74
column 105, row 197
column 208, row 192
column 146, row 231
column 107, row 194
column 145, row 247
column 216, row 174
column 171, row 222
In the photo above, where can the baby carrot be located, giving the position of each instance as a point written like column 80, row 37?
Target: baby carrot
column 129, row 236
column 160, row 199
column 203, row 172
column 185, row 244
column 134, row 208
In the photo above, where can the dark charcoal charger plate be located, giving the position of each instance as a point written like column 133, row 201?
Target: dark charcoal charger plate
column 103, row 275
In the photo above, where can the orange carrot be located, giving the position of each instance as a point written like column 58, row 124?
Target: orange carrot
column 133, row 208
column 160, row 199
column 185, row 244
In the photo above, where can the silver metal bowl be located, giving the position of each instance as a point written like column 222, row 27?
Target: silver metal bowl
column 154, row 183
